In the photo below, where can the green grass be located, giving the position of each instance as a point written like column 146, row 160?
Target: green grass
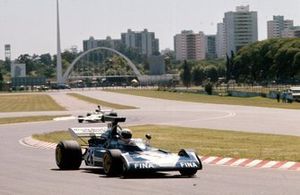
column 100, row 102
column 28, row 103
column 208, row 142
column 192, row 97
column 27, row 119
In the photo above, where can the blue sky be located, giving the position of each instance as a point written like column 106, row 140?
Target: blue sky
column 30, row 25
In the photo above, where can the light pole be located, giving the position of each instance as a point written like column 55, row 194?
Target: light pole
column 58, row 56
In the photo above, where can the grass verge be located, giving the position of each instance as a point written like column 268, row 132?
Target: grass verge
column 28, row 103
column 28, row 119
column 208, row 142
column 100, row 102
column 191, row 97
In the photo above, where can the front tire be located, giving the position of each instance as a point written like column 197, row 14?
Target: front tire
column 188, row 172
column 112, row 163
column 191, row 171
column 68, row 155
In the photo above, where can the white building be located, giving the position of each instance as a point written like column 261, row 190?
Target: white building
column 221, row 41
column 277, row 26
column 190, row 46
column 143, row 42
column 240, row 28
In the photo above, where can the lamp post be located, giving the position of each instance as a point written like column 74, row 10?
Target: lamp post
column 58, row 57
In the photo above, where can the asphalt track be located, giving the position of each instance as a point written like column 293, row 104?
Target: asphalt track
column 26, row 170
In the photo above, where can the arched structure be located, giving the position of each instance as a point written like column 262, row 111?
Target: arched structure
column 132, row 66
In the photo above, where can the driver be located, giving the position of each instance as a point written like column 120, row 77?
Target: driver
column 126, row 136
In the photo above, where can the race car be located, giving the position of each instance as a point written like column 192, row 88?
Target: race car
column 114, row 149
column 96, row 117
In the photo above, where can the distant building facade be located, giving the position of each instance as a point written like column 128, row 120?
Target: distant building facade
column 143, row 42
column 108, row 42
column 220, row 41
column 190, row 46
column 240, row 28
column 211, row 52
column 277, row 26
column 292, row 32
column 7, row 52
column 157, row 65
column 18, row 70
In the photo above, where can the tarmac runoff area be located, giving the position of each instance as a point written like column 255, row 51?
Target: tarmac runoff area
column 28, row 170
column 206, row 160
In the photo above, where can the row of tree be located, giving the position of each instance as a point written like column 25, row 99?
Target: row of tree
column 265, row 61
column 197, row 73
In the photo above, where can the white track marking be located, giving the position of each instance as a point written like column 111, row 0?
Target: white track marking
column 238, row 162
column 209, row 159
column 287, row 165
column 64, row 118
column 223, row 161
column 253, row 163
column 270, row 164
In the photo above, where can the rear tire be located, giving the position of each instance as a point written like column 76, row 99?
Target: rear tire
column 80, row 120
column 68, row 155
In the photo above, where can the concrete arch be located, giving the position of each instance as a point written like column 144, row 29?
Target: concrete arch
column 130, row 63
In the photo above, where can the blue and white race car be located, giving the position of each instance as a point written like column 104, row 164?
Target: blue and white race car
column 114, row 149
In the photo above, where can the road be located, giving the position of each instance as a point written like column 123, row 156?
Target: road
column 26, row 170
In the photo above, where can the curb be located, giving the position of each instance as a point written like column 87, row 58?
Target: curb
column 33, row 143
column 250, row 163
column 208, row 160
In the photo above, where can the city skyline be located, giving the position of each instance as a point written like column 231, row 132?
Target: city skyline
column 80, row 19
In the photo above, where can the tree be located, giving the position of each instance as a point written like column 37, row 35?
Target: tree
column 198, row 75
column 46, row 59
column 186, row 75
column 1, row 81
column 211, row 72
column 269, row 60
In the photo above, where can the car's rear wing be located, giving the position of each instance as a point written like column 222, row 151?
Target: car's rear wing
column 114, row 119
column 85, row 132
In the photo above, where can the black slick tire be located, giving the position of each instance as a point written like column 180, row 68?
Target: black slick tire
column 68, row 155
column 112, row 163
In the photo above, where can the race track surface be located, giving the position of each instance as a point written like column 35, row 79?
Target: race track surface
column 26, row 170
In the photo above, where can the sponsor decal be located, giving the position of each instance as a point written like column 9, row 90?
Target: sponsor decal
column 143, row 166
column 188, row 165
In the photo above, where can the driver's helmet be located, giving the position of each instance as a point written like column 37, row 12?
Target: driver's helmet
column 126, row 134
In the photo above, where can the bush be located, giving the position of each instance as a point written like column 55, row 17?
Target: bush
column 208, row 88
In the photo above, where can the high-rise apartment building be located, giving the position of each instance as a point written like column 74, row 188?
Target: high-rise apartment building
column 143, row 42
column 108, row 42
column 240, row 28
column 291, row 32
column 189, row 46
column 277, row 26
column 221, row 41
column 211, row 51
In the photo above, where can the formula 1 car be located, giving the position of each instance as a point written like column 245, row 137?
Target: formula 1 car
column 114, row 149
column 97, row 116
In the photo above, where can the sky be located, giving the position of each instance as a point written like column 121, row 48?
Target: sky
column 29, row 26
